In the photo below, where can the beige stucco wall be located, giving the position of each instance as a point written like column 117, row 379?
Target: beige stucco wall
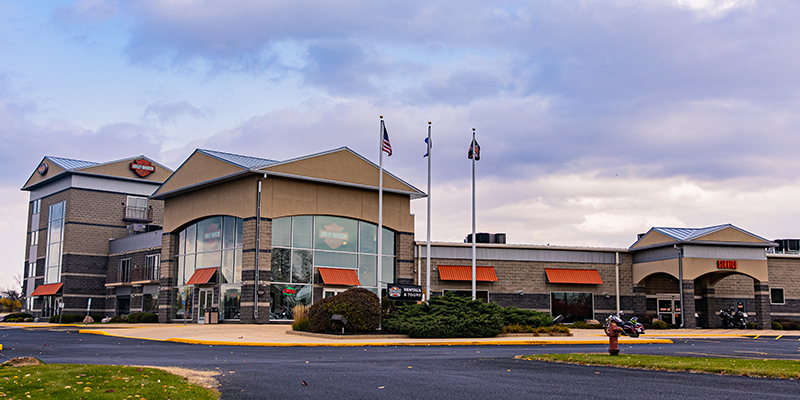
column 653, row 238
column 342, row 166
column 123, row 170
column 730, row 235
column 696, row 267
column 198, row 168
column 52, row 170
column 287, row 197
column 235, row 198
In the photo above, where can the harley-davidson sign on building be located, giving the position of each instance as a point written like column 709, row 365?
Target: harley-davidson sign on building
column 142, row 167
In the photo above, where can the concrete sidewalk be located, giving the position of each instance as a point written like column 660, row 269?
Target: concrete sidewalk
column 282, row 335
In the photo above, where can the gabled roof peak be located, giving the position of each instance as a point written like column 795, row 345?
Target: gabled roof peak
column 690, row 233
column 238, row 160
column 70, row 164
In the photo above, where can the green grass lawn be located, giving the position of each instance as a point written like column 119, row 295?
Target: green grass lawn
column 76, row 381
column 785, row 369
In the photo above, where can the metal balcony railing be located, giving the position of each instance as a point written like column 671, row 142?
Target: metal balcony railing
column 134, row 274
column 138, row 214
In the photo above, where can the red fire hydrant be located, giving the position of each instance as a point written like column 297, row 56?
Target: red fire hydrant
column 613, row 335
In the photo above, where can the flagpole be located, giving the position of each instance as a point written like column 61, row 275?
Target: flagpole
column 380, row 213
column 428, row 240
column 474, row 268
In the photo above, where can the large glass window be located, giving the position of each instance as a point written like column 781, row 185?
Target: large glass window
column 214, row 242
column 55, row 239
column 573, row 306
column 150, row 303
column 302, row 243
column 230, row 300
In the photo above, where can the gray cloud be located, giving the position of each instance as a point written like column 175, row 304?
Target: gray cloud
column 170, row 112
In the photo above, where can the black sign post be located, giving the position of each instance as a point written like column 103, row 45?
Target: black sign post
column 405, row 292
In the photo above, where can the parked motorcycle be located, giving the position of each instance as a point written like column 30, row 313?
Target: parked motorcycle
column 733, row 318
column 632, row 328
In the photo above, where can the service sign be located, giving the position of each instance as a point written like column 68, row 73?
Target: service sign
column 726, row 264
column 405, row 292
column 142, row 167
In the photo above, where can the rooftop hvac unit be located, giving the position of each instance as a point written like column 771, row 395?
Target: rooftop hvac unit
column 788, row 246
column 135, row 228
column 497, row 238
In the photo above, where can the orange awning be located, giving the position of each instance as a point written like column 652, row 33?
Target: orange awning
column 339, row 276
column 575, row 276
column 464, row 273
column 47, row 290
column 201, row 276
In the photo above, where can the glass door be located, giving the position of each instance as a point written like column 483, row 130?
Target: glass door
column 669, row 310
column 205, row 302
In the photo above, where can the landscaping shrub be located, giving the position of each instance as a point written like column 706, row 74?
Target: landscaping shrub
column 360, row 306
column 776, row 326
column 584, row 325
column 659, row 324
column 751, row 325
column 117, row 319
column 789, row 324
column 517, row 328
column 17, row 315
column 27, row 320
column 67, row 318
column 141, row 318
column 301, row 322
column 447, row 316
column 519, row 316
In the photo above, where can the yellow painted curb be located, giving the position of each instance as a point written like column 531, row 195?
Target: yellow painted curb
column 375, row 344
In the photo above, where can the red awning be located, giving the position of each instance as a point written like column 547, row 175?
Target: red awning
column 575, row 276
column 47, row 290
column 464, row 273
column 201, row 276
column 339, row 276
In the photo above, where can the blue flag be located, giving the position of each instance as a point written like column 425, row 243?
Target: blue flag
column 428, row 146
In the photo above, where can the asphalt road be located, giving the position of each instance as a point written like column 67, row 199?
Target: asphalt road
column 436, row 372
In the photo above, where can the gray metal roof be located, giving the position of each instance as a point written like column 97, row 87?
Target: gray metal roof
column 239, row 160
column 71, row 164
column 690, row 233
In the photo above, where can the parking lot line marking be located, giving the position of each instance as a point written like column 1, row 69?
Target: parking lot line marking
column 753, row 352
column 779, row 336
column 756, row 336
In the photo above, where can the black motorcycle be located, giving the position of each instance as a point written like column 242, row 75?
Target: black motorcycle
column 632, row 328
column 733, row 318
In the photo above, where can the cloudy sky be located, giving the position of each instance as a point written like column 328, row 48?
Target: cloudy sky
column 597, row 119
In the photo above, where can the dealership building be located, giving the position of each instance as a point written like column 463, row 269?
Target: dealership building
column 227, row 238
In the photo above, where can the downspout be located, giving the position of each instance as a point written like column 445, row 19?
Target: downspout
column 616, row 265
column 258, row 249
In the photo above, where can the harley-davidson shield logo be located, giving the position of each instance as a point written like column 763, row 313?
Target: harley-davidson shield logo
column 142, row 167
column 334, row 235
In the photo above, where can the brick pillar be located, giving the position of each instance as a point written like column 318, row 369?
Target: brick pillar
column 166, row 278
column 249, row 283
column 761, row 306
column 688, row 304
column 404, row 265
column 639, row 300
column 709, row 318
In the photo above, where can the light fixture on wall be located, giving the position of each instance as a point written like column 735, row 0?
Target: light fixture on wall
column 520, row 292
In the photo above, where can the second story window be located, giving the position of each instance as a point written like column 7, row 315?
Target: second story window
column 36, row 206
column 136, row 210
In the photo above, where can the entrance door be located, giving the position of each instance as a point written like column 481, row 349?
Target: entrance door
column 205, row 302
column 669, row 310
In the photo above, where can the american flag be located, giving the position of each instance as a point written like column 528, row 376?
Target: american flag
column 387, row 147
column 474, row 150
